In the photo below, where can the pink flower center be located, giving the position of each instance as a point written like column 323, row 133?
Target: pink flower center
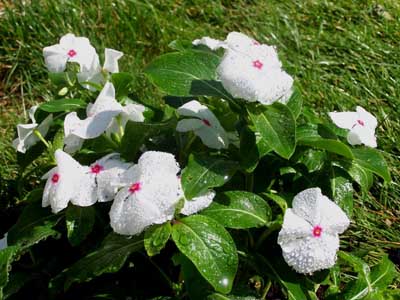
column 96, row 169
column 317, row 231
column 135, row 187
column 55, row 178
column 206, row 122
column 257, row 64
column 71, row 53
column 361, row 122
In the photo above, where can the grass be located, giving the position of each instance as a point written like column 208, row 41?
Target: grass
column 343, row 53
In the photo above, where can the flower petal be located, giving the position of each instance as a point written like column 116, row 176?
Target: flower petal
column 3, row 242
column 72, row 143
column 362, row 135
column 213, row 44
column 212, row 137
column 333, row 218
column 293, row 228
column 55, row 58
column 111, row 60
column 188, row 125
column 369, row 120
column 306, row 205
column 198, row 203
column 344, row 120
column 158, row 163
column 311, row 254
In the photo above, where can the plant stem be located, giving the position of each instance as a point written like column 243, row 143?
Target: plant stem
column 163, row 274
column 249, row 181
column 266, row 234
column 40, row 137
column 266, row 289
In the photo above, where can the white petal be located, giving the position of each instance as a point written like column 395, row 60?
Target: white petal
column 3, row 242
column 111, row 60
column 32, row 112
column 239, row 41
column 344, row 120
column 368, row 119
column 306, row 205
column 26, row 137
column 212, row 137
column 191, row 109
column 242, row 79
column 198, row 203
column 72, row 143
column 362, row 135
column 333, row 218
column 105, row 101
column 293, row 228
column 155, row 162
column 92, row 74
column 311, row 254
column 189, row 124
column 213, row 44
column 55, row 58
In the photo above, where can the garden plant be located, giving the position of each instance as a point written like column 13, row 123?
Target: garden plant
column 230, row 186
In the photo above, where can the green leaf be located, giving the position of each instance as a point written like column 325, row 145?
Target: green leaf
column 240, row 210
column 252, row 149
column 34, row 224
column 187, row 73
column 79, row 221
column 204, row 172
column 277, row 127
column 123, row 83
column 359, row 174
column 156, row 237
column 342, row 190
column 16, row 281
column 372, row 160
column 333, row 146
column 108, row 258
column 137, row 133
column 380, row 277
column 278, row 270
column 62, row 79
column 63, row 105
column 6, row 258
column 295, row 103
column 210, row 247
column 230, row 297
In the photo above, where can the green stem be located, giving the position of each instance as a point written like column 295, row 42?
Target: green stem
column 40, row 137
column 183, row 155
column 163, row 274
column 249, row 181
column 266, row 234
column 266, row 289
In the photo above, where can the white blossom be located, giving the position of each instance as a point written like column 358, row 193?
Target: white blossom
column 26, row 136
column 203, row 123
column 309, row 236
column 361, row 125
column 95, row 73
column 70, row 49
column 149, row 195
column 68, row 181
column 250, row 70
column 100, row 118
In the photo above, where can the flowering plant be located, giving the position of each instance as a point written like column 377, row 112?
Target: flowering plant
column 235, row 190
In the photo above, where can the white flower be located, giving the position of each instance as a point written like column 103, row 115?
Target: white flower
column 360, row 123
column 149, row 196
column 309, row 235
column 100, row 116
column 68, row 181
column 3, row 242
column 26, row 136
column 106, row 173
column 250, row 70
column 204, row 124
column 94, row 73
column 70, row 49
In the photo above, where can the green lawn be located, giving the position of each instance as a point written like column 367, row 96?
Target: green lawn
column 342, row 53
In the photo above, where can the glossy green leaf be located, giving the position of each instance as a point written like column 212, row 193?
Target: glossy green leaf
column 79, row 221
column 342, row 190
column 156, row 237
column 187, row 73
column 240, row 210
column 379, row 278
column 276, row 125
column 359, row 174
column 108, row 258
column 333, row 146
column 204, row 172
column 230, row 297
column 6, row 258
column 34, row 224
column 210, row 247
column 123, row 83
column 295, row 103
column 372, row 160
column 252, row 149
column 63, row 105
column 137, row 133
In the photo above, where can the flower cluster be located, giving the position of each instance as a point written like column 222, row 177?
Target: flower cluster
column 150, row 191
